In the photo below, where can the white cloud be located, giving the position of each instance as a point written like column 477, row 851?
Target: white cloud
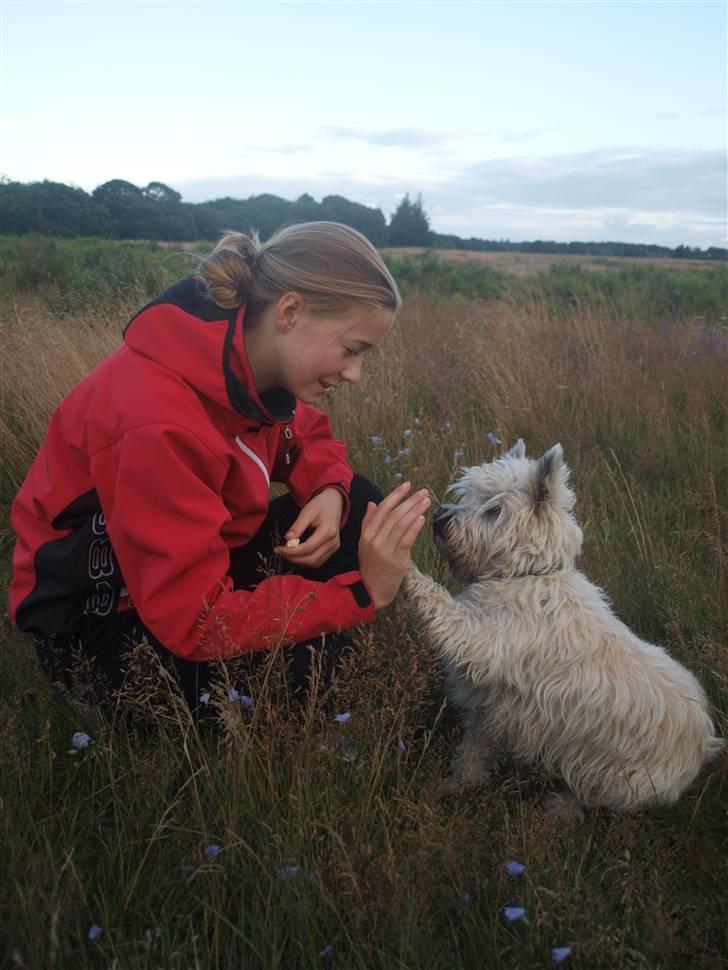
column 393, row 137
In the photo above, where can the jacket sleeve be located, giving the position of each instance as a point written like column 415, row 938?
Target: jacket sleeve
column 160, row 489
column 317, row 459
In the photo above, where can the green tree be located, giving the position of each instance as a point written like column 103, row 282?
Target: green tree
column 369, row 222
column 409, row 225
column 51, row 208
column 159, row 192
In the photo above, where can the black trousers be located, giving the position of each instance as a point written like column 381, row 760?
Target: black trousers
column 104, row 647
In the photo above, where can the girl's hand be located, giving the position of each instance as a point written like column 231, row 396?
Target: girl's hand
column 322, row 515
column 388, row 533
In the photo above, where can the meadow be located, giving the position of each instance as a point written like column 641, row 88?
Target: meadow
column 271, row 837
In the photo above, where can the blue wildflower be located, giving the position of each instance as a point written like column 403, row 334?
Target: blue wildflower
column 288, row 872
column 493, row 439
column 514, row 913
column 342, row 718
column 327, row 951
column 560, row 953
column 467, row 899
column 387, row 459
column 515, row 869
column 398, row 476
column 416, row 423
column 212, row 850
column 401, row 746
column 246, row 701
column 408, row 431
column 205, row 698
column 234, row 695
column 376, row 440
column 80, row 740
column 94, row 931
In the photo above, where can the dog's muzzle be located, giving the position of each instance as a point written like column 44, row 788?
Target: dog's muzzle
column 440, row 520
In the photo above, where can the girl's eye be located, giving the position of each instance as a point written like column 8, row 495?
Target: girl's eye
column 493, row 512
column 348, row 352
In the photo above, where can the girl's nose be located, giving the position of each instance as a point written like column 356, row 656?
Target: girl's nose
column 352, row 372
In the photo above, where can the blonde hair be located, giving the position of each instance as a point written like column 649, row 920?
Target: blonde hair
column 333, row 267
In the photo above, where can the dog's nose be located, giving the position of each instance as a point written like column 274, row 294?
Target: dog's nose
column 440, row 518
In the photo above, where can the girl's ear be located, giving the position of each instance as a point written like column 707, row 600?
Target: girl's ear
column 288, row 308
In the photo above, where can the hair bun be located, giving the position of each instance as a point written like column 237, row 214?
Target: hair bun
column 228, row 270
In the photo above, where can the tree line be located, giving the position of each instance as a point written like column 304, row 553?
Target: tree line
column 121, row 210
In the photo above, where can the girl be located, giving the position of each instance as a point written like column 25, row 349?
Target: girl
column 146, row 513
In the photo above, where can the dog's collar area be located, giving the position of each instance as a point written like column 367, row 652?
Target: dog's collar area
column 539, row 572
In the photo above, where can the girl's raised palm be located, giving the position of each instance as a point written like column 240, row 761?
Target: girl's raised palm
column 388, row 533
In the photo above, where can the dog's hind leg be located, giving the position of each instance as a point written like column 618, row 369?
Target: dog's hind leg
column 475, row 759
column 564, row 806
column 478, row 753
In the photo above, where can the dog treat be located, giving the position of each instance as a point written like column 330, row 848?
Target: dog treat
column 293, row 542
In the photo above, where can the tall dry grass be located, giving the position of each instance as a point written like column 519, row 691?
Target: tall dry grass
column 388, row 873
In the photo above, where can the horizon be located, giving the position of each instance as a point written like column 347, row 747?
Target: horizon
column 567, row 122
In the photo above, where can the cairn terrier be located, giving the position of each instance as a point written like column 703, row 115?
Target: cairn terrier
column 537, row 663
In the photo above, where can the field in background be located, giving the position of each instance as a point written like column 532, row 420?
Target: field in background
column 336, row 836
column 528, row 264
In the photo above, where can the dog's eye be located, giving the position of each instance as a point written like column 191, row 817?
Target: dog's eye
column 493, row 512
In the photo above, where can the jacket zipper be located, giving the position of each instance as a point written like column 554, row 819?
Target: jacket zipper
column 288, row 435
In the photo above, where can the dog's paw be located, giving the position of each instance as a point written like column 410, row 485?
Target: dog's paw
column 459, row 783
column 563, row 807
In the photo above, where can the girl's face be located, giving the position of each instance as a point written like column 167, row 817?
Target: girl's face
column 316, row 354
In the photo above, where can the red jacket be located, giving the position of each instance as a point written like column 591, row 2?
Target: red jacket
column 153, row 468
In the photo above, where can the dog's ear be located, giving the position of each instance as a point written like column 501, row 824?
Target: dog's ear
column 517, row 451
column 547, row 468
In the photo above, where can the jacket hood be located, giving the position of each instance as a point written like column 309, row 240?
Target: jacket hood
column 186, row 332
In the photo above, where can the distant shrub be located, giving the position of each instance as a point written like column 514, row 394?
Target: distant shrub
column 70, row 274
column 75, row 273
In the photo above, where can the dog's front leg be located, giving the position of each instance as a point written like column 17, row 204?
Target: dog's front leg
column 432, row 604
column 451, row 627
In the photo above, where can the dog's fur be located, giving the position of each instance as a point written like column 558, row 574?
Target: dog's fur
column 537, row 663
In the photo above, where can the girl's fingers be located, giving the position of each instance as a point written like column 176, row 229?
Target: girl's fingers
column 316, row 556
column 391, row 501
column 400, row 516
column 389, row 511
column 407, row 539
column 312, row 547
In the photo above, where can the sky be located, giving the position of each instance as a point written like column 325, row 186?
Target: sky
column 586, row 120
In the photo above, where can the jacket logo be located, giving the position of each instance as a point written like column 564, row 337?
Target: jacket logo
column 101, row 564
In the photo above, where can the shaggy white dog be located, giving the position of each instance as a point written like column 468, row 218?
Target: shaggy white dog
column 537, row 663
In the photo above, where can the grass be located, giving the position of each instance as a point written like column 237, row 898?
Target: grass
column 71, row 276
column 116, row 834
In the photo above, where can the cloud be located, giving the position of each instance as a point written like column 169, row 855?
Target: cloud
column 287, row 149
column 628, row 178
column 528, row 135
column 396, row 137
